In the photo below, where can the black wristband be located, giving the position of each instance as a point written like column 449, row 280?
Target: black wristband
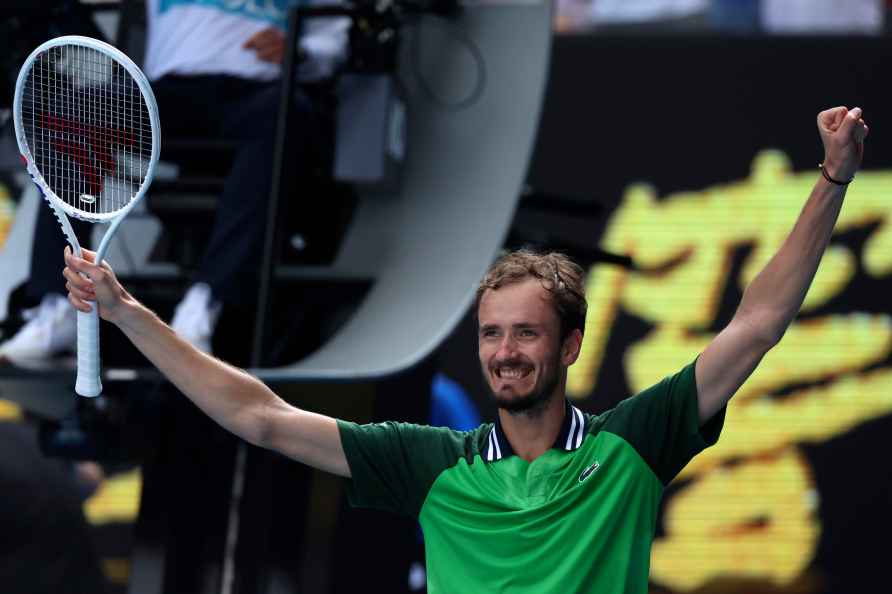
column 830, row 179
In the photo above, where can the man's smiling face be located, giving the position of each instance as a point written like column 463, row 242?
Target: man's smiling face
column 519, row 345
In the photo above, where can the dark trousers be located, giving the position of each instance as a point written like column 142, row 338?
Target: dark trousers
column 212, row 107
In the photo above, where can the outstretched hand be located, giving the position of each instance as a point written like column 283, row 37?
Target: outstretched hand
column 843, row 132
column 88, row 283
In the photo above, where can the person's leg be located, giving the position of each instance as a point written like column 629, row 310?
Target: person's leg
column 229, row 265
column 245, row 112
column 221, row 99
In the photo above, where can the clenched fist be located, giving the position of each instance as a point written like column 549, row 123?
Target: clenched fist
column 843, row 132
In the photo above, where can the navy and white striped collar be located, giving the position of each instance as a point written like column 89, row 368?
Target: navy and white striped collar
column 569, row 438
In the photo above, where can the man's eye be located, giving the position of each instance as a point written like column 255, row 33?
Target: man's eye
column 527, row 333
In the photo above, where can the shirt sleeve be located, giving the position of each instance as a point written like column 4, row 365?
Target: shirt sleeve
column 393, row 465
column 662, row 423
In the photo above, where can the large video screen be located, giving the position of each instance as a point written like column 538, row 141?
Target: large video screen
column 755, row 505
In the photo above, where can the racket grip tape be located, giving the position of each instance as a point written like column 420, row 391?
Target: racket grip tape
column 88, row 382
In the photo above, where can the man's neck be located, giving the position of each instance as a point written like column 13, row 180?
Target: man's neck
column 531, row 435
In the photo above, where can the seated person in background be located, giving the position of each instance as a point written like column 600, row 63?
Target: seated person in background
column 214, row 67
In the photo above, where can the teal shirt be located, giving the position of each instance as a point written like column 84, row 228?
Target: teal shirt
column 578, row 519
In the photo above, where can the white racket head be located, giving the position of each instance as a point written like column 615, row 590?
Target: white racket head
column 87, row 126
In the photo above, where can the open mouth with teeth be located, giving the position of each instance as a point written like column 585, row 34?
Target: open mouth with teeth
column 513, row 372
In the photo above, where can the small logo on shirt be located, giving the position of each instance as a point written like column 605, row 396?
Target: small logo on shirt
column 589, row 471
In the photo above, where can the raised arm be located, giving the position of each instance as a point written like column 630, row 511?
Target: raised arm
column 774, row 297
column 236, row 400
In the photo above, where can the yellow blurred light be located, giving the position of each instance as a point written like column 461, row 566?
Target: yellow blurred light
column 755, row 518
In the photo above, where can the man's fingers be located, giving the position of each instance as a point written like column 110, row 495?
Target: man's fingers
column 79, row 304
column 77, row 280
column 270, row 54
column 269, row 44
column 251, row 42
column 830, row 119
column 82, row 267
column 861, row 130
column 79, row 293
column 78, row 265
column 83, row 276
column 263, row 38
column 850, row 121
column 86, row 254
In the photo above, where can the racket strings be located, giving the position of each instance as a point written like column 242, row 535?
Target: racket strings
column 87, row 127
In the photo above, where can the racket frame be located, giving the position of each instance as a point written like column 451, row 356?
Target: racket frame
column 88, row 381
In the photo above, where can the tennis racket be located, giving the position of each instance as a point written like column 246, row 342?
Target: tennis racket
column 87, row 126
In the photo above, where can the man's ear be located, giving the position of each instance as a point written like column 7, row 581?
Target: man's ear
column 571, row 347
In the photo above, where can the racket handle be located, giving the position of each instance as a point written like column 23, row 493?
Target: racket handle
column 88, row 382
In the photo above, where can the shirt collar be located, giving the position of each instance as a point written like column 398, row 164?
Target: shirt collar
column 569, row 437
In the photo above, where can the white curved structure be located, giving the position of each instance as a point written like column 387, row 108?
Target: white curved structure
column 474, row 88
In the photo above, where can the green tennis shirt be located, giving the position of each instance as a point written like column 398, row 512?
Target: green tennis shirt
column 580, row 518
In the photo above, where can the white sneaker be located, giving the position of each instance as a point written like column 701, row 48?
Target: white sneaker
column 195, row 318
column 51, row 330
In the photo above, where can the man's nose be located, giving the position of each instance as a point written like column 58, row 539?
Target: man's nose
column 507, row 348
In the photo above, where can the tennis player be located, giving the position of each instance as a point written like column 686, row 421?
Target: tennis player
column 547, row 498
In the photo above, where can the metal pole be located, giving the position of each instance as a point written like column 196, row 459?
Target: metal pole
column 267, row 263
column 280, row 151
